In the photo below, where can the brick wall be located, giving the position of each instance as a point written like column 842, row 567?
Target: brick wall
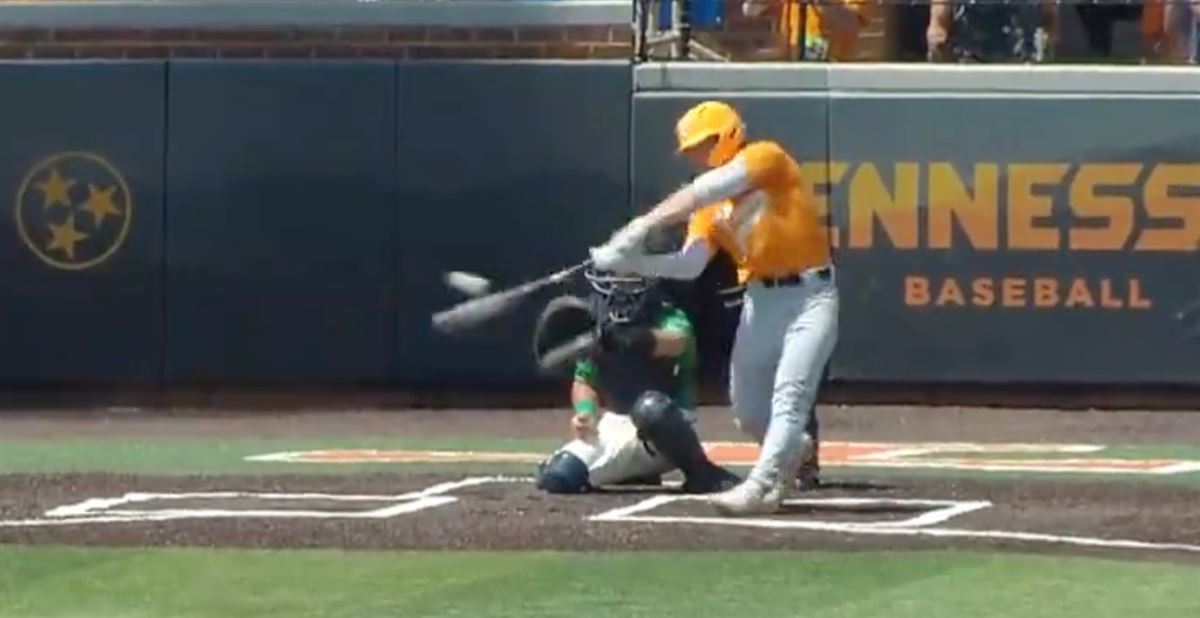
column 356, row 42
column 743, row 38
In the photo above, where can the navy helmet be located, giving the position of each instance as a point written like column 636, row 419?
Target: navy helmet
column 563, row 473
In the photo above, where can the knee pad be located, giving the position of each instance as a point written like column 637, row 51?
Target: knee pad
column 563, row 473
column 652, row 410
column 662, row 424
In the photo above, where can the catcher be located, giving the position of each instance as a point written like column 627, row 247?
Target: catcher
column 635, row 354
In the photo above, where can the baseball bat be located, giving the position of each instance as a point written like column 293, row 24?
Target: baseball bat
column 478, row 310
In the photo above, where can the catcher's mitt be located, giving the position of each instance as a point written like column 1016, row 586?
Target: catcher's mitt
column 565, row 331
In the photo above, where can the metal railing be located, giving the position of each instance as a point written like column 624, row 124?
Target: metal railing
column 1097, row 31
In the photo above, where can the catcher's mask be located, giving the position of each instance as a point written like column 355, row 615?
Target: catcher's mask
column 616, row 298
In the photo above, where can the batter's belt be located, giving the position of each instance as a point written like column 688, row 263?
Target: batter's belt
column 823, row 274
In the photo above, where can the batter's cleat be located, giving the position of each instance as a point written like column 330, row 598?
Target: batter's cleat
column 716, row 480
column 804, row 475
column 751, row 497
column 809, row 477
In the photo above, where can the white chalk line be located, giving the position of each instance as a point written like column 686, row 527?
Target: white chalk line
column 1180, row 468
column 629, row 514
column 1018, row 465
column 625, row 512
column 100, row 510
column 429, row 498
column 125, row 516
column 371, row 456
column 940, row 511
column 939, row 516
column 932, row 532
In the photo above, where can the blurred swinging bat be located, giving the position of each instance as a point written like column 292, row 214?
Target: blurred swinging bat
column 475, row 311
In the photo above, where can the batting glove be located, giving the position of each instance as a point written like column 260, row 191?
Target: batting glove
column 609, row 257
column 630, row 238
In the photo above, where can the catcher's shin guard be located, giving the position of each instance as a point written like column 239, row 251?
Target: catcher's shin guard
column 661, row 423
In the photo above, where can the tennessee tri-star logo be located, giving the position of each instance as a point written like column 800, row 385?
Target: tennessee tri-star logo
column 74, row 210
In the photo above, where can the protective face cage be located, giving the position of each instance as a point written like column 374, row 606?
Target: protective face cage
column 618, row 299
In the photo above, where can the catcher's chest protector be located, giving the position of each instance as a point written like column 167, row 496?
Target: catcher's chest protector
column 621, row 379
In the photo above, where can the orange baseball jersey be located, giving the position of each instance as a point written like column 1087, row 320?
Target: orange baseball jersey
column 772, row 228
column 704, row 225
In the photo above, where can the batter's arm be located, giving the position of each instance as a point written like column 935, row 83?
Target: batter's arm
column 725, row 182
column 685, row 264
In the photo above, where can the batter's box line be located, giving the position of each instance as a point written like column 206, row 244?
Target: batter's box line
column 940, row 511
column 101, row 510
column 630, row 514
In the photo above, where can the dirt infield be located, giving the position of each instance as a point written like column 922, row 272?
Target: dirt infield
column 450, row 512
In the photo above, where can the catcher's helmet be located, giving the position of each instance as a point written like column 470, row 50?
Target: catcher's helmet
column 563, row 473
column 617, row 298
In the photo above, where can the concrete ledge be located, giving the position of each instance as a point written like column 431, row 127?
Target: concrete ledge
column 930, row 80
column 1048, row 79
column 739, row 76
column 258, row 13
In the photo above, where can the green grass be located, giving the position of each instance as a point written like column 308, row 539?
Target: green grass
column 50, row 582
column 1130, row 451
column 176, row 456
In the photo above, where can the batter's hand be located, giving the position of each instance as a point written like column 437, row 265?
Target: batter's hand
column 584, row 426
column 608, row 257
column 630, row 238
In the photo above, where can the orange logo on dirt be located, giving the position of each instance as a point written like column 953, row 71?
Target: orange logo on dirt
column 1063, row 458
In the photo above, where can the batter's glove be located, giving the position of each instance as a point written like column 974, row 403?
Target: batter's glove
column 565, row 332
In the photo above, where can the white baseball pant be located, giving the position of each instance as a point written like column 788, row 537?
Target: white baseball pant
column 617, row 455
column 784, row 340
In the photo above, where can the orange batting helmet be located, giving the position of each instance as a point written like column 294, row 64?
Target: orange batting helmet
column 712, row 119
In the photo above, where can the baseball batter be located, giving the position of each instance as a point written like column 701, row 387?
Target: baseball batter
column 642, row 374
column 754, row 204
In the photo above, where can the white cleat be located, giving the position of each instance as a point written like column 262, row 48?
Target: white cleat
column 750, row 497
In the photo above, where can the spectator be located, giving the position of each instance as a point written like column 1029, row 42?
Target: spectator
column 1180, row 30
column 1099, row 21
column 987, row 31
column 830, row 28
